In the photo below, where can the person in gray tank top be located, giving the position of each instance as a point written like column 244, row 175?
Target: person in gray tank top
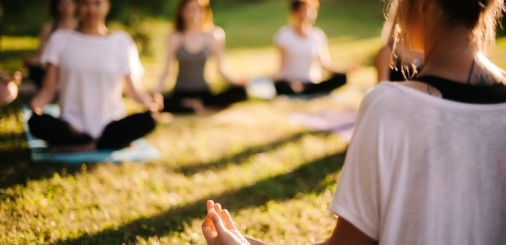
column 194, row 40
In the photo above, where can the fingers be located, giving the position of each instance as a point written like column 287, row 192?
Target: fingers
column 210, row 205
column 35, row 107
column 227, row 219
column 208, row 228
column 217, row 207
column 223, row 216
column 157, row 100
column 37, row 111
column 217, row 222
column 17, row 77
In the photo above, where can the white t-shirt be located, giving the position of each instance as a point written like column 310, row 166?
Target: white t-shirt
column 423, row 170
column 91, row 69
column 302, row 61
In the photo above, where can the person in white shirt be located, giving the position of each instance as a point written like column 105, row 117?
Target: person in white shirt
column 426, row 164
column 86, row 66
column 303, row 53
column 63, row 14
column 9, row 88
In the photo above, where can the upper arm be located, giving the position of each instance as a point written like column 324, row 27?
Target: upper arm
column 323, row 48
column 50, row 81
column 132, row 87
column 218, row 43
column 282, row 56
column 173, row 44
column 346, row 233
column 45, row 33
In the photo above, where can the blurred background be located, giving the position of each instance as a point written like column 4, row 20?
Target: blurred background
column 275, row 175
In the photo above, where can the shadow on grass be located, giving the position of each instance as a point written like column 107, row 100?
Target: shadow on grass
column 16, row 165
column 240, row 157
column 308, row 178
column 15, row 54
column 13, row 59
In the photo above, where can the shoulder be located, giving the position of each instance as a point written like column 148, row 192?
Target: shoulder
column 399, row 98
column 175, row 37
column 122, row 36
column 492, row 71
column 123, row 40
column 61, row 34
column 284, row 30
column 46, row 29
column 385, row 96
column 218, row 33
column 283, row 34
column 175, row 40
column 319, row 33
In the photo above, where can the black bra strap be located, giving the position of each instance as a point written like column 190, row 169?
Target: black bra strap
column 466, row 93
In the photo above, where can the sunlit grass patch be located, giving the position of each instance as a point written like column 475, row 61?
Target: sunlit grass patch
column 275, row 176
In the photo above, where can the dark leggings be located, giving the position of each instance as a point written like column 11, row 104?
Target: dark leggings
column 337, row 80
column 116, row 135
column 36, row 74
column 174, row 102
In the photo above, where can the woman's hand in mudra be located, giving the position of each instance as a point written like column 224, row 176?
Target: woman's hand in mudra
column 219, row 228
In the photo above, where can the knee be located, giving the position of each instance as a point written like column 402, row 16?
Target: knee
column 35, row 121
column 149, row 121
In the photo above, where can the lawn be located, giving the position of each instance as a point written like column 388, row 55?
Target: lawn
column 275, row 176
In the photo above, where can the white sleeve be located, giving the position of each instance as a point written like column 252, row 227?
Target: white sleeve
column 280, row 38
column 358, row 194
column 322, row 37
column 132, row 65
column 51, row 53
column 321, row 40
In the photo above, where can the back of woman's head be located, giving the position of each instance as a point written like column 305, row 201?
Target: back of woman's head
column 207, row 18
column 479, row 16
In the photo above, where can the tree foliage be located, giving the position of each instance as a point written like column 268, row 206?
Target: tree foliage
column 24, row 17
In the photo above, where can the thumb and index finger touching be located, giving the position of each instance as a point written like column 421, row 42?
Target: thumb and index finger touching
column 216, row 217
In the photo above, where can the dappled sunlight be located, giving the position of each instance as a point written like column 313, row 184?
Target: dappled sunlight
column 275, row 174
column 498, row 53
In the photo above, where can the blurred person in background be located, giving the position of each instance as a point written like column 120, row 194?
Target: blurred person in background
column 426, row 164
column 195, row 39
column 88, row 67
column 63, row 14
column 304, row 53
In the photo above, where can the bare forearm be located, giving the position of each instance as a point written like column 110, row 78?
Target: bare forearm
column 160, row 87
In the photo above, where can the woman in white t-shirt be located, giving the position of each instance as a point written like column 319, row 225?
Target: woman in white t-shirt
column 303, row 53
column 86, row 66
column 427, row 162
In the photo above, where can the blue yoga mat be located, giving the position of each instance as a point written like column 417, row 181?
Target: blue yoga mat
column 140, row 151
column 264, row 88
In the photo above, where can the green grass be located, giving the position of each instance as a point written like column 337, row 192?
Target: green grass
column 275, row 177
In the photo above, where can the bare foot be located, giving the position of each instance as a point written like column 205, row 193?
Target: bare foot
column 297, row 86
column 74, row 148
column 195, row 104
